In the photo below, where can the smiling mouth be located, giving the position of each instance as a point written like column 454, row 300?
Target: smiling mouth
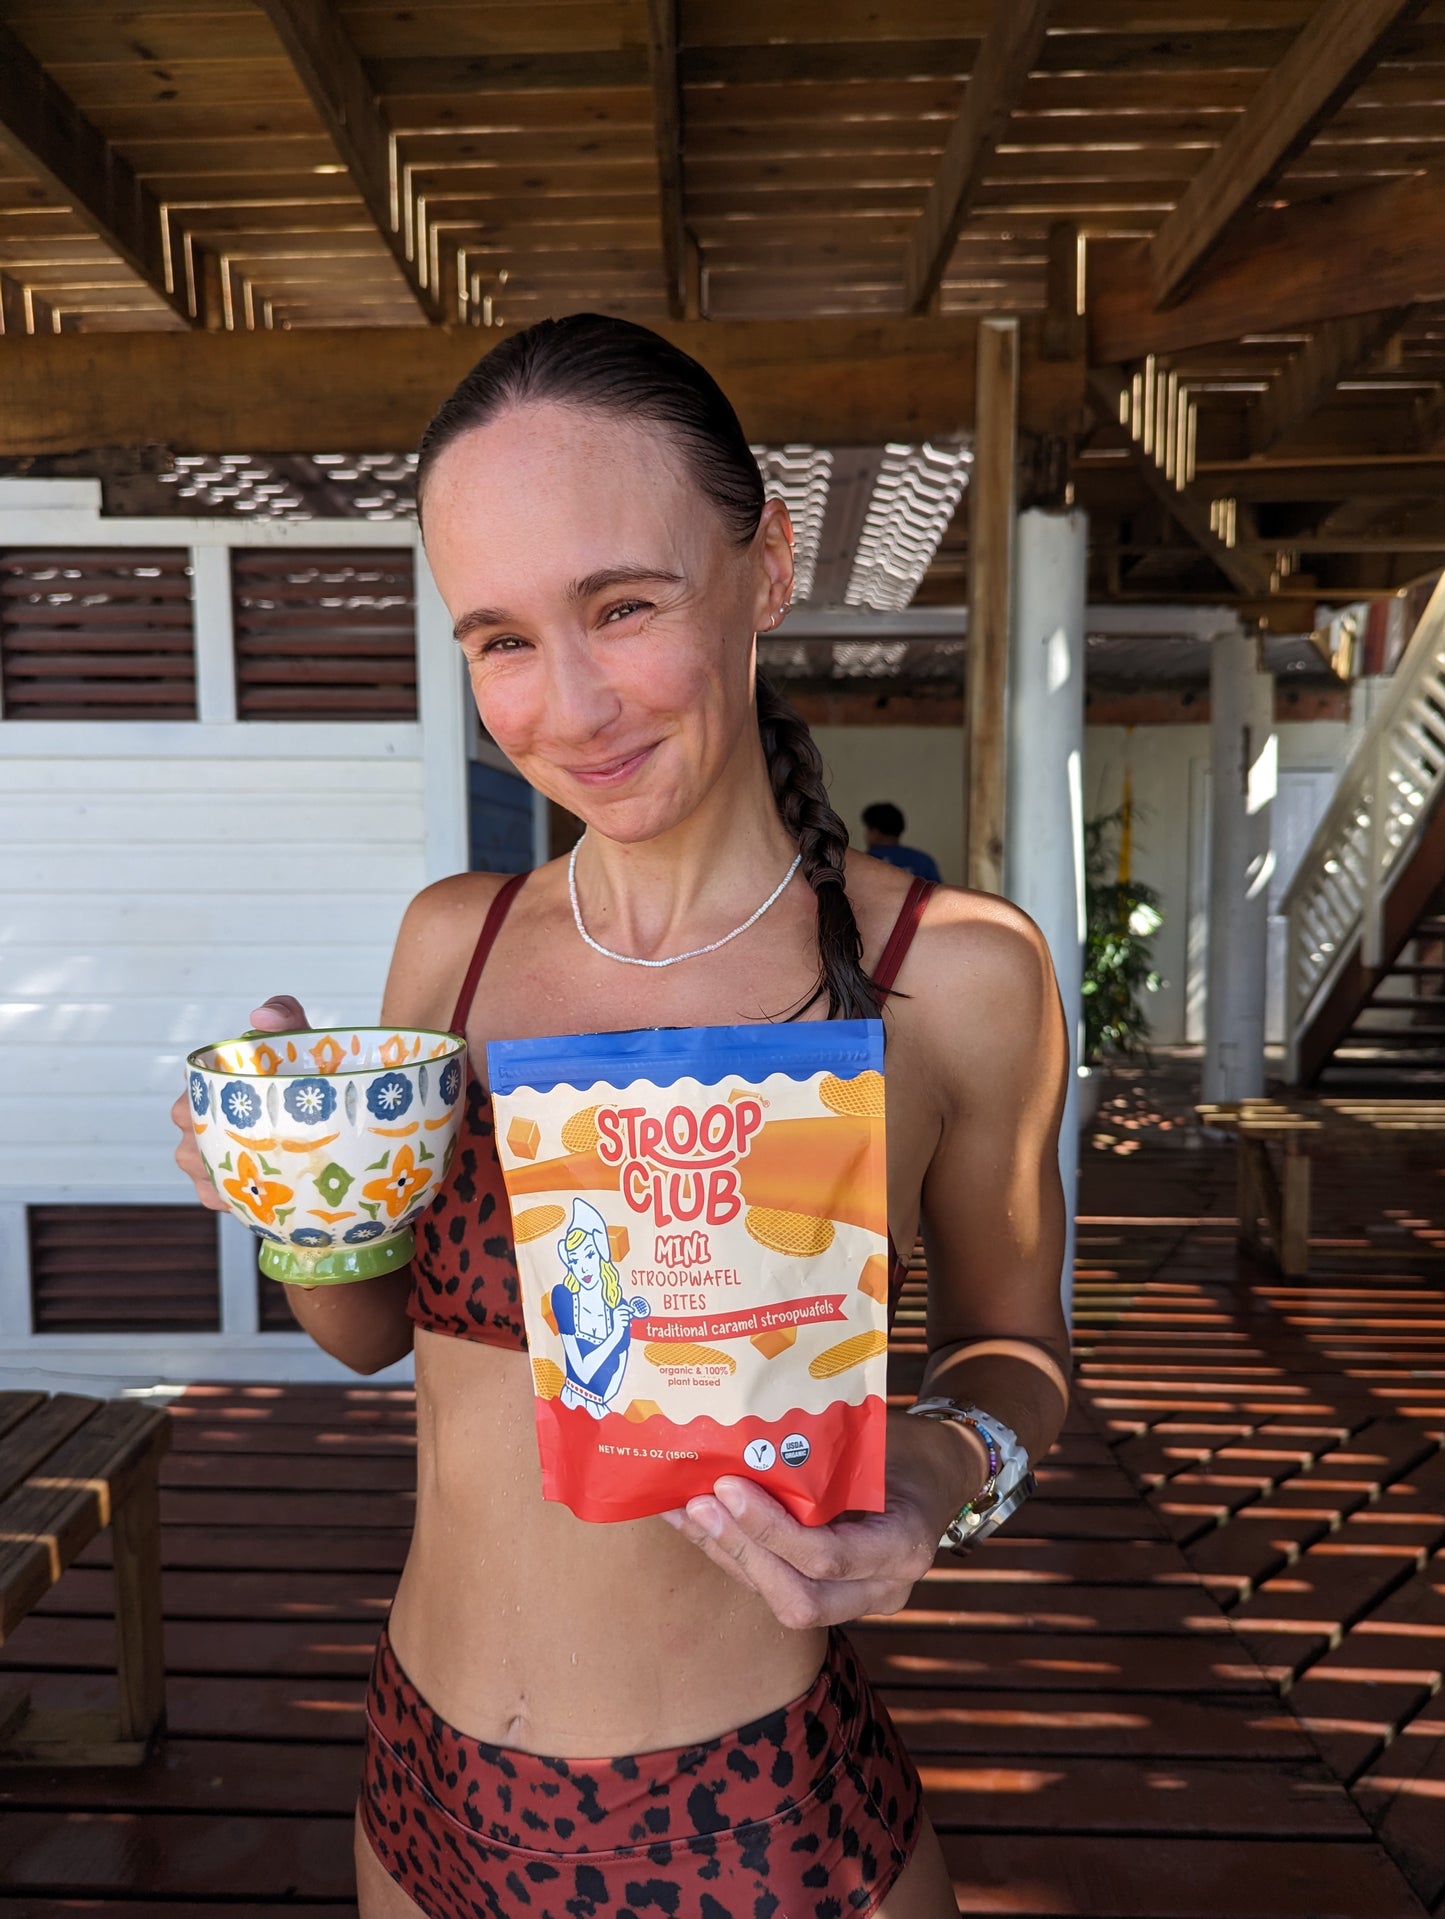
column 611, row 772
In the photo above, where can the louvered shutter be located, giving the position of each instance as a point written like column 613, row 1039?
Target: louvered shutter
column 124, row 1269
column 96, row 635
column 325, row 636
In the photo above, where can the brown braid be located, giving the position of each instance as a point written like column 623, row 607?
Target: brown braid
column 795, row 768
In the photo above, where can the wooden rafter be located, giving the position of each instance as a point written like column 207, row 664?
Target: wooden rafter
column 1289, row 267
column 330, row 69
column 662, row 42
column 357, row 389
column 1430, row 423
column 1248, row 572
column 1005, row 57
column 1336, row 350
column 12, row 306
column 77, row 163
column 1332, row 54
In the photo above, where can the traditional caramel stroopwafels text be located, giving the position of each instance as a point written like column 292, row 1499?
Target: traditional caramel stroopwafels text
column 805, row 1235
column 847, row 1354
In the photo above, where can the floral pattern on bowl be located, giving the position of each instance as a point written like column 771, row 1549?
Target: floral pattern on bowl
column 329, row 1144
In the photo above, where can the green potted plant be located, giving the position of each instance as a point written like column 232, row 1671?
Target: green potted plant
column 1122, row 917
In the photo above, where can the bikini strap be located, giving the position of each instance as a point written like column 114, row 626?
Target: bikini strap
column 901, row 938
column 491, row 926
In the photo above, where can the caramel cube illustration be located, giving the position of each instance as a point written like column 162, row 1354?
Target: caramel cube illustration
column 547, row 1313
column 775, row 1342
column 640, row 1409
column 873, row 1280
column 524, row 1136
column 619, row 1241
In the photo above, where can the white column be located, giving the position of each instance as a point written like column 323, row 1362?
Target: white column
column 236, row 1259
column 215, row 635
column 1243, row 772
column 441, row 697
column 1044, row 838
column 15, row 1316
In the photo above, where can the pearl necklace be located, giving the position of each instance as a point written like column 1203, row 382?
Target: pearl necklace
column 627, row 959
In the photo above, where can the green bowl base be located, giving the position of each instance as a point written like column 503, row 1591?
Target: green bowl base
column 294, row 1266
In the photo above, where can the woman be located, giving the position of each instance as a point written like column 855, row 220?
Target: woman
column 597, row 527
column 595, row 1321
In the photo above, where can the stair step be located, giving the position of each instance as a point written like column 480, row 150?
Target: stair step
column 1406, row 1002
column 1412, row 969
column 1407, row 1037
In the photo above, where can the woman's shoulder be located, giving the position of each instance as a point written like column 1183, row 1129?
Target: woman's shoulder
column 438, row 934
column 974, row 950
column 961, row 933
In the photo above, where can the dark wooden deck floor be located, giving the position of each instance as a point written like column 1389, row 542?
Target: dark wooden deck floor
column 1197, row 1678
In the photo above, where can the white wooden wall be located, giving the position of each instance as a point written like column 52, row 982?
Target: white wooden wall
column 157, row 880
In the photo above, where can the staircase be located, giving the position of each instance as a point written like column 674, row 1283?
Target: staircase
column 1365, row 979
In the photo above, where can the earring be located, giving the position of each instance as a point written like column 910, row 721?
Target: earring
column 784, row 608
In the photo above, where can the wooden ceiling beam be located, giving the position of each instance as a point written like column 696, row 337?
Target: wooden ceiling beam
column 662, row 48
column 827, row 381
column 1324, row 65
column 1336, row 351
column 1247, row 572
column 1003, row 63
column 1324, row 259
column 329, row 67
column 52, row 137
column 1430, row 423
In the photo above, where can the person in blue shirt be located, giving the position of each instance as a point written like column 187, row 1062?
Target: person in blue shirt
column 883, row 825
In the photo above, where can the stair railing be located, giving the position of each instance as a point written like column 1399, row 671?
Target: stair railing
column 1336, row 900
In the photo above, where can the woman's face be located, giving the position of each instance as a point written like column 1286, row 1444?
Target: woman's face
column 584, row 1262
column 604, row 610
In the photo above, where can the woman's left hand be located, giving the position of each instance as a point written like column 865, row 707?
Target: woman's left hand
column 824, row 1575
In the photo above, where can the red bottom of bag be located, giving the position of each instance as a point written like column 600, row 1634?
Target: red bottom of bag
column 818, row 1465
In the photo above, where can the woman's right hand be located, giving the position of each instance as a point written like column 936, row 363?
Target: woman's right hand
column 280, row 1014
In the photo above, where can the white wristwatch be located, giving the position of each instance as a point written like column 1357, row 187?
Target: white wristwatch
column 1009, row 1482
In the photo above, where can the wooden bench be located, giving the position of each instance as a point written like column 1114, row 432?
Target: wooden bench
column 1274, row 1202
column 69, row 1467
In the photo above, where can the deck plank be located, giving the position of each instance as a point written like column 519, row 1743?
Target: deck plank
column 182, row 1855
column 1088, row 1878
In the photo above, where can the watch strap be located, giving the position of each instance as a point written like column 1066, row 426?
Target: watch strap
column 1009, row 1480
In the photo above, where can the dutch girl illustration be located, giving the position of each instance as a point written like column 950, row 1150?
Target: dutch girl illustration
column 595, row 1321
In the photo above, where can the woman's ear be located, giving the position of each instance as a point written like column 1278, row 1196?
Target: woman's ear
column 773, row 545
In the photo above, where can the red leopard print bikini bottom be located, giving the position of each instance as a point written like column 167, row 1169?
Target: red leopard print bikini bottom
column 810, row 1812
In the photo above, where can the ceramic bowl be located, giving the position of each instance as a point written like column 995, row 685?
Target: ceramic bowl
column 329, row 1144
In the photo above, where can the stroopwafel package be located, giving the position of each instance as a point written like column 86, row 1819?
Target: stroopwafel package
column 700, row 1217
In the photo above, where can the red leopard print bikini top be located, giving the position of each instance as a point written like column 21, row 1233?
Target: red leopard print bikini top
column 465, row 1269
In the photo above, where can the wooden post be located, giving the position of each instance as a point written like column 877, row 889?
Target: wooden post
column 140, row 1650
column 991, row 511
column 1044, row 866
column 1063, row 330
column 1250, row 1202
column 1242, row 767
column 1294, row 1237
